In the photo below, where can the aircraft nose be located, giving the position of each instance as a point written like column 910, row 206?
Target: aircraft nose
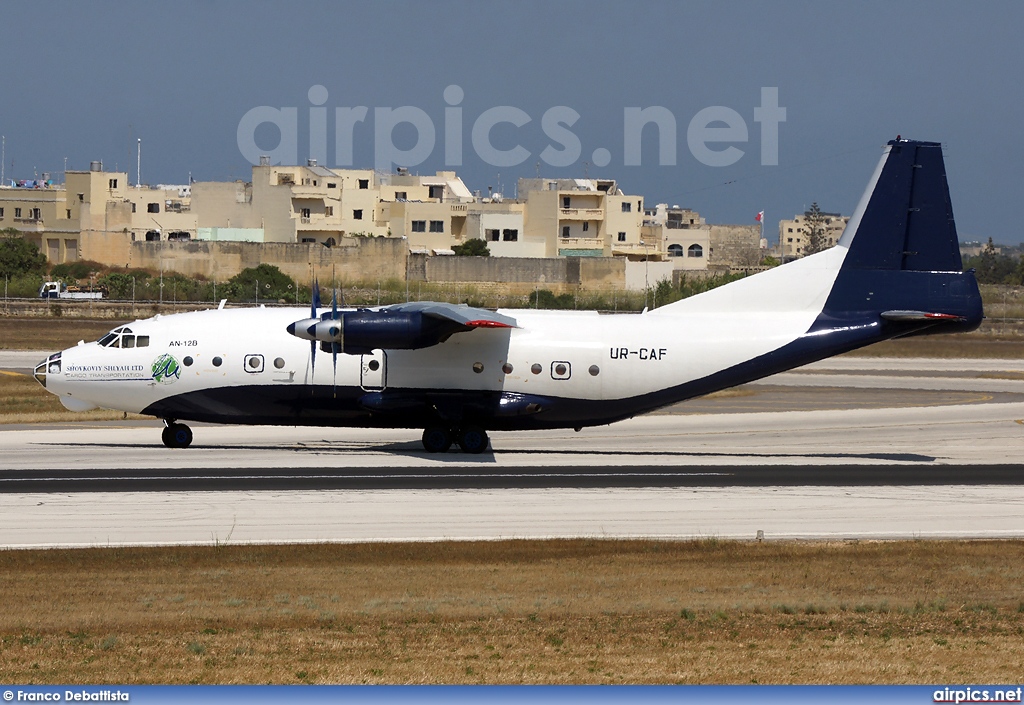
column 50, row 366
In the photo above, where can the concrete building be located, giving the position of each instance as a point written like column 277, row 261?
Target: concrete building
column 583, row 218
column 98, row 216
column 793, row 233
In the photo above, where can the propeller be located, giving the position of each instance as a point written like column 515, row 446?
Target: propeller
column 314, row 305
column 334, row 346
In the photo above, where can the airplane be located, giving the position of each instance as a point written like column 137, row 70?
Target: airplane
column 458, row 372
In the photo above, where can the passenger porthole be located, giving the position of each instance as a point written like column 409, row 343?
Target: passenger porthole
column 253, row 363
column 478, row 367
column 506, row 368
column 536, row 368
column 279, row 363
column 187, row 361
column 560, row 369
column 217, row 361
column 594, row 370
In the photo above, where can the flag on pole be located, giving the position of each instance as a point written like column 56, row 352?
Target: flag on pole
column 759, row 217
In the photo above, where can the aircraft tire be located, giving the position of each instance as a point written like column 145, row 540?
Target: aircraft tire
column 473, row 439
column 437, row 440
column 177, row 435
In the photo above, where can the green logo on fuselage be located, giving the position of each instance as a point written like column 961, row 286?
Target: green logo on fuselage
column 166, row 369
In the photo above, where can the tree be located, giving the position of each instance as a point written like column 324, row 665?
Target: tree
column 814, row 230
column 19, row 256
column 273, row 284
column 474, row 247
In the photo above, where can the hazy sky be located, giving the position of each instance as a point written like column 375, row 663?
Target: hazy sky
column 85, row 80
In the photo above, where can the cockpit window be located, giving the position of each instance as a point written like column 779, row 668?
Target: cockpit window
column 123, row 338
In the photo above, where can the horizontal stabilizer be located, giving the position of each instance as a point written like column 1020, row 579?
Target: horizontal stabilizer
column 921, row 316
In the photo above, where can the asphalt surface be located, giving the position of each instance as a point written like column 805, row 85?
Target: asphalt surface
column 849, row 448
column 577, row 477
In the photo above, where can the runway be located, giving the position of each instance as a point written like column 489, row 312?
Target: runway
column 931, row 449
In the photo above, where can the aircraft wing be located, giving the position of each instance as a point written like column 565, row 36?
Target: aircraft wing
column 456, row 313
column 408, row 326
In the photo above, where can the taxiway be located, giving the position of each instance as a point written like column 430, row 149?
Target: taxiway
column 849, row 448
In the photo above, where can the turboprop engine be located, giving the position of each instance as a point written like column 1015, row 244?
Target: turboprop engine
column 359, row 332
column 409, row 326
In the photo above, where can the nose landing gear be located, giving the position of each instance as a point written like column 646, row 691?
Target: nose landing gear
column 176, row 435
column 472, row 439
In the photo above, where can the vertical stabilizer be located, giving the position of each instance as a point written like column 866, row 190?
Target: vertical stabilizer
column 907, row 222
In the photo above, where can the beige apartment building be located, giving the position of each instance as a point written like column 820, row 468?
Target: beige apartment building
column 793, row 233
column 97, row 215
column 583, row 218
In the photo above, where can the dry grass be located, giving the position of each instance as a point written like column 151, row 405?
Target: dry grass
column 517, row 612
column 23, row 400
column 49, row 333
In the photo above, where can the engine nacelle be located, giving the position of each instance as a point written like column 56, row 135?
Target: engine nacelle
column 359, row 332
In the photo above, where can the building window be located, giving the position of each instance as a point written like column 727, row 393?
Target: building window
column 328, row 210
column 1, row 212
column 112, row 183
column 419, row 226
column 357, row 214
column 627, row 207
column 133, row 207
column 565, row 201
column 364, row 184
column 68, row 211
column 695, row 250
column 331, row 185
column 510, row 235
column 36, row 214
column 437, row 192
column 437, row 226
column 622, row 236
column 81, row 197
column 17, row 212
column 586, row 226
column 789, row 239
column 400, row 196
column 153, row 208
column 565, row 231
column 789, row 230
column 306, row 240
column 494, row 235
column 675, row 250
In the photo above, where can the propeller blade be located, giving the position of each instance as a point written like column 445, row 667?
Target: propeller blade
column 334, row 346
column 313, row 306
column 315, row 300
column 312, row 357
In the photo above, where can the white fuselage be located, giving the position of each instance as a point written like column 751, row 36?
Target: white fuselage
column 574, row 355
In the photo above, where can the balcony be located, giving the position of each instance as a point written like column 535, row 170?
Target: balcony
column 308, row 191
column 581, row 213
column 581, row 243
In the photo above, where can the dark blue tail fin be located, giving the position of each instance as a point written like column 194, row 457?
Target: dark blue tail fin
column 902, row 271
column 907, row 222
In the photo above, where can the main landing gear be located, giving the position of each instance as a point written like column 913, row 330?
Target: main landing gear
column 472, row 439
column 176, row 435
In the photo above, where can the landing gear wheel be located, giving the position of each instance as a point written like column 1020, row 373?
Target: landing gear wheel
column 437, row 440
column 473, row 439
column 177, row 435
